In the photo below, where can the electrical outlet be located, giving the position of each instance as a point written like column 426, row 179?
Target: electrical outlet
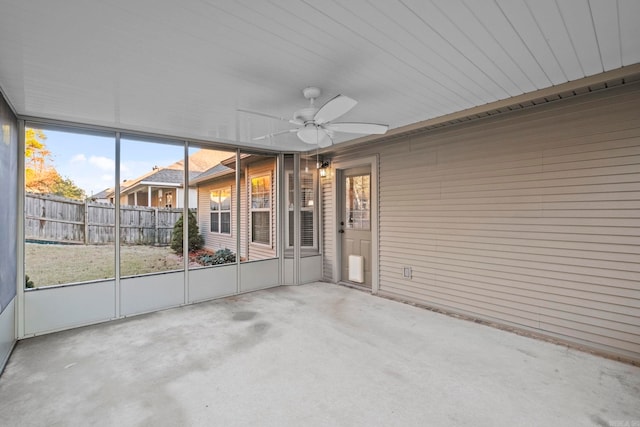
column 406, row 272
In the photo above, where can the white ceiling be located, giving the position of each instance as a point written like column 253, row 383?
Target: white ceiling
column 184, row 68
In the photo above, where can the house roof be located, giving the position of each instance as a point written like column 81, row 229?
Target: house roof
column 214, row 172
column 406, row 62
column 163, row 176
column 172, row 175
column 202, row 160
column 104, row 194
column 168, row 176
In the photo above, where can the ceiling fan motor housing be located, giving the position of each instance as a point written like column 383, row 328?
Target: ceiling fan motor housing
column 305, row 115
column 311, row 92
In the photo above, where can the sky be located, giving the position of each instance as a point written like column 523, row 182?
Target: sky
column 89, row 160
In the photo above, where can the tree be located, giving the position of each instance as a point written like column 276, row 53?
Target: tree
column 65, row 187
column 41, row 180
column 195, row 239
column 40, row 175
column 36, row 153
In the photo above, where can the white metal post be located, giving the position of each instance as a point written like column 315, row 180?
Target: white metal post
column 20, row 282
column 296, row 219
column 238, row 207
column 116, row 232
column 185, row 222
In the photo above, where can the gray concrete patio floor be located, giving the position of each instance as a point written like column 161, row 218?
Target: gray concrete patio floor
column 317, row 354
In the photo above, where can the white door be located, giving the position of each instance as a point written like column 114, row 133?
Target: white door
column 355, row 225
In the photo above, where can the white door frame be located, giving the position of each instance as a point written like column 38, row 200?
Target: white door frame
column 338, row 167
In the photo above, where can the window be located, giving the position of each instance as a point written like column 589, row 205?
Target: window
column 358, row 211
column 261, row 209
column 307, row 210
column 221, row 211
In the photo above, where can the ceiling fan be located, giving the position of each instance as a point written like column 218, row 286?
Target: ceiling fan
column 315, row 125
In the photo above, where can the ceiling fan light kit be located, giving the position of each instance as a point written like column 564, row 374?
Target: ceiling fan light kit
column 312, row 134
column 317, row 127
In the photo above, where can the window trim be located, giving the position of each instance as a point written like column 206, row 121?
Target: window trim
column 269, row 176
column 219, row 212
column 313, row 209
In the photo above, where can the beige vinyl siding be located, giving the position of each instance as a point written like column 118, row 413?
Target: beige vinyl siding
column 530, row 218
column 262, row 168
column 215, row 241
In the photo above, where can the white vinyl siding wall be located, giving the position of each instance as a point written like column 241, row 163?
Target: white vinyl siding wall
column 530, row 218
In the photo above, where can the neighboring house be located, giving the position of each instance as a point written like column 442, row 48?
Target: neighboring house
column 105, row 196
column 217, row 200
column 163, row 186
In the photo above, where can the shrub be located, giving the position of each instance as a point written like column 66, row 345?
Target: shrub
column 195, row 239
column 221, row 256
column 28, row 283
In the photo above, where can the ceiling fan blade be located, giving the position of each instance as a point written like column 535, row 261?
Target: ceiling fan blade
column 325, row 142
column 364, row 128
column 257, row 113
column 334, row 108
column 258, row 138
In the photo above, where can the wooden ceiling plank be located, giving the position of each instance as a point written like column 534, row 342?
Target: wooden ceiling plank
column 549, row 20
column 458, row 48
column 530, row 33
column 577, row 17
column 605, row 19
column 629, row 13
column 390, row 48
column 492, row 18
column 494, row 61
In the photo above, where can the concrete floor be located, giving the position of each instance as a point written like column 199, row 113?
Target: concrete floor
column 311, row 355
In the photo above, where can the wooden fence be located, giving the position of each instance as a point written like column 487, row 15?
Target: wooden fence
column 58, row 219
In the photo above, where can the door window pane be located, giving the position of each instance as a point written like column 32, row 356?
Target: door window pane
column 357, row 193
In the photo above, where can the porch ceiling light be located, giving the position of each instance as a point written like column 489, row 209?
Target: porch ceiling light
column 322, row 168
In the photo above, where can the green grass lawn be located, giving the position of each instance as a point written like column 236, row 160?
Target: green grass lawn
column 58, row 264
